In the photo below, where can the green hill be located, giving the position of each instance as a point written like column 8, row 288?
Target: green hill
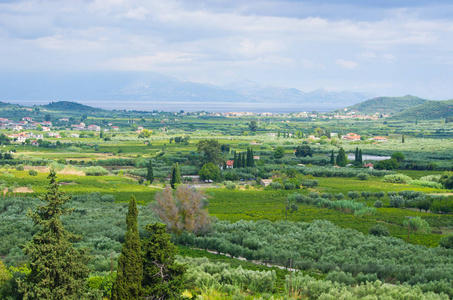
column 387, row 105
column 429, row 110
column 68, row 106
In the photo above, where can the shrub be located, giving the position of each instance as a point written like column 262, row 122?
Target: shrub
column 32, row 172
column 20, row 167
column 339, row 196
column 95, row 171
column 276, row 185
column 353, row 194
column 230, row 185
column 366, row 194
column 379, row 195
column 363, row 176
column 379, row 230
column 397, row 178
column 447, row 241
column 396, row 201
column 290, row 186
column 310, row 183
column 378, row 204
column 326, row 196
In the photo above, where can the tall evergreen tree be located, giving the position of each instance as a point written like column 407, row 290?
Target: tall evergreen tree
column 58, row 271
column 402, row 139
column 130, row 268
column 360, row 156
column 248, row 162
column 162, row 276
column 252, row 160
column 175, row 177
column 178, row 178
column 278, row 134
column 332, row 158
column 356, row 154
column 342, row 160
column 235, row 160
column 150, row 173
column 244, row 163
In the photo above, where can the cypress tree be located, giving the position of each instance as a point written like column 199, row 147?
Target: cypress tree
column 150, row 174
column 278, row 134
column 342, row 160
column 58, row 271
column 252, row 160
column 402, row 139
column 244, row 164
column 360, row 156
column 172, row 177
column 356, row 156
column 235, row 161
column 178, row 178
column 162, row 276
column 332, row 158
column 130, row 269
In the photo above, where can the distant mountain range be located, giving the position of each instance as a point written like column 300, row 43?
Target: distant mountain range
column 154, row 87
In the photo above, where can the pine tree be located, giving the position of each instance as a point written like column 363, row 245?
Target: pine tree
column 150, row 174
column 130, row 269
column 58, row 271
column 162, row 276
column 332, row 158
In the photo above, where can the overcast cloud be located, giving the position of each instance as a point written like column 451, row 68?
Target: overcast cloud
column 384, row 47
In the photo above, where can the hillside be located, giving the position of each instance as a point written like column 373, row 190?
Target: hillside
column 429, row 110
column 387, row 105
column 67, row 106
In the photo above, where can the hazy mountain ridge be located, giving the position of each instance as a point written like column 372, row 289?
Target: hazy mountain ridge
column 136, row 86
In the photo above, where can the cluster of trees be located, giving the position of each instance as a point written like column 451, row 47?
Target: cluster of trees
column 243, row 160
column 147, row 269
column 58, row 270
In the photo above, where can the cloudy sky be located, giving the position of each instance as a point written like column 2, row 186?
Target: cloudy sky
column 388, row 47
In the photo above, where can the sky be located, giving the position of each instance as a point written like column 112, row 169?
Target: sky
column 386, row 47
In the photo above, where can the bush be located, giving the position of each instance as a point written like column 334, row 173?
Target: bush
column 20, row 167
column 95, row 171
column 32, row 172
column 230, row 185
column 447, row 241
column 310, row 183
column 290, row 186
column 276, row 185
column 353, row 194
column 339, row 196
column 378, row 204
column 396, row 201
column 363, row 176
column 379, row 230
column 397, row 178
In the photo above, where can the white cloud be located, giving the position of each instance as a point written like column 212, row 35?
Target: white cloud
column 346, row 64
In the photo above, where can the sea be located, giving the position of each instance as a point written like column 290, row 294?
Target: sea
column 196, row 106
